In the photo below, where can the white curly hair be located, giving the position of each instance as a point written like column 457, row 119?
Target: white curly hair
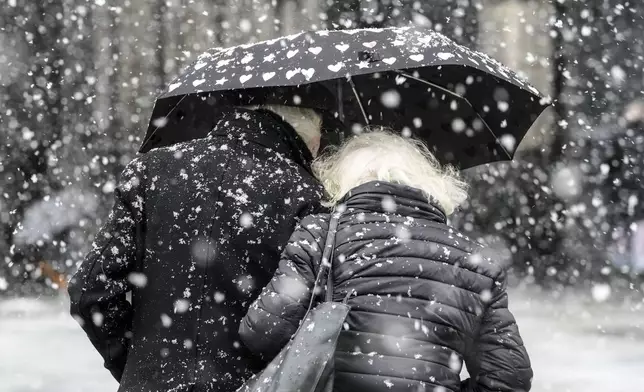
column 381, row 155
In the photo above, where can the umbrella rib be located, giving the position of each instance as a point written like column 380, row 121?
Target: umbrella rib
column 405, row 74
column 461, row 97
column 166, row 116
column 355, row 92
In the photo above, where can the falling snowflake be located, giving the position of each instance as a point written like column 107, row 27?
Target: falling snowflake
column 246, row 220
column 601, row 292
column 391, row 99
column 166, row 320
column 486, row 296
column 138, row 279
column 181, row 306
column 219, row 297
column 97, row 319
column 458, row 125
column 389, row 204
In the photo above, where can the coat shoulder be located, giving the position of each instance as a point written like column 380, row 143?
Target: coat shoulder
column 136, row 166
column 462, row 241
column 475, row 256
column 463, row 251
column 316, row 224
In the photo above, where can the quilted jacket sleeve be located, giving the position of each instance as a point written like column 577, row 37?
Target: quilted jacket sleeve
column 98, row 289
column 499, row 361
column 276, row 314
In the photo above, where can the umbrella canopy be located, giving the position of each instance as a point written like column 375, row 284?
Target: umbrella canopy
column 467, row 107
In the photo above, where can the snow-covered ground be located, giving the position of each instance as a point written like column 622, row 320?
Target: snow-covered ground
column 578, row 347
column 574, row 347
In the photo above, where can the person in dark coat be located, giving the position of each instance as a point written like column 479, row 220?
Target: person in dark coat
column 423, row 299
column 196, row 231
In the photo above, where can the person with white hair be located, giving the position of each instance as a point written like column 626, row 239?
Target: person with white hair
column 423, row 299
column 196, row 230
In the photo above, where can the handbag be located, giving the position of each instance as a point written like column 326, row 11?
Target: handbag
column 305, row 364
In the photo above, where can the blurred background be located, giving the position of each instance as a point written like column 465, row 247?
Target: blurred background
column 78, row 80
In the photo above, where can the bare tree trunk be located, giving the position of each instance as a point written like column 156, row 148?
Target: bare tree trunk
column 265, row 16
column 219, row 19
column 515, row 32
column 103, row 41
column 288, row 17
column 176, row 17
column 558, row 84
column 116, row 108
column 158, row 13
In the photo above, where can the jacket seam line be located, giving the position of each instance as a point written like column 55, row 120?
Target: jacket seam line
column 411, row 239
column 399, row 378
column 413, row 277
column 411, row 318
column 401, row 357
column 406, row 338
column 421, row 299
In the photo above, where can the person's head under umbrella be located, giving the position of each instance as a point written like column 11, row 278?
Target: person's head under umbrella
column 380, row 155
column 306, row 122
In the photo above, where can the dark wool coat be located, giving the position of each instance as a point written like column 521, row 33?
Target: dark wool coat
column 424, row 302
column 196, row 231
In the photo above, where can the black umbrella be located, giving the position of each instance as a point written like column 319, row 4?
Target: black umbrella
column 468, row 107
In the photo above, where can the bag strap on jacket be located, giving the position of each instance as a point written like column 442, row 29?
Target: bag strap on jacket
column 329, row 249
column 327, row 261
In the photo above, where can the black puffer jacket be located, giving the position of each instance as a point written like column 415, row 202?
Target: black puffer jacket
column 196, row 231
column 425, row 301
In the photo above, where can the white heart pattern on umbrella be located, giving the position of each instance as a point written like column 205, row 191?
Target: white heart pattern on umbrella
column 308, row 73
column 342, row 47
column 247, row 59
column 336, row 67
column 222, row 63
column 292, row 72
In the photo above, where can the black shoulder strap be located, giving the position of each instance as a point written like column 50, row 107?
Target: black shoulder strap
column 326, row 261
column 329, row 249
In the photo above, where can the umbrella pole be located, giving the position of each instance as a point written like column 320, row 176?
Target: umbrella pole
column 406, row 75
column 355, row 92
column 340, row 100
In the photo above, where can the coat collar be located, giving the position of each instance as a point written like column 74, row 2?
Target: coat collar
column 266, row 129
column 386, row 197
